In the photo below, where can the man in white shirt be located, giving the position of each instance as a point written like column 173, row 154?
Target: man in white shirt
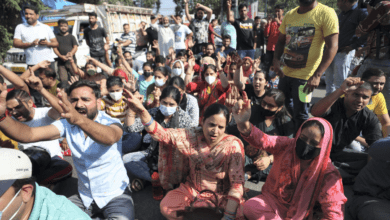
column 181, row 35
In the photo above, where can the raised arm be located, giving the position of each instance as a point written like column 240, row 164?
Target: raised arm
column 322, row 106
column 102, row 66
column 36, row 83
column 76, row 70
column 208, row 10
column 104, row 134
column 190, row 70
column 107, row 55
column 222, row 76
column 187, row 11
column 229, row 17
column 16, row 81
column 237, row 79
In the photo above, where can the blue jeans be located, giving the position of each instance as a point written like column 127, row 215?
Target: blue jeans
column 338, row 71
column 384, row 65
column 298, row 109
column 130, row 142
column 246, row 53
column 136, row 165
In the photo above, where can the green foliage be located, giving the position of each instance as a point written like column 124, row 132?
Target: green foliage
column 10, row 18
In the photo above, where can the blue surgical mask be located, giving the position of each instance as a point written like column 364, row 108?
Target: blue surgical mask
column 13, row 216
column 176, row 72
column 167, row 111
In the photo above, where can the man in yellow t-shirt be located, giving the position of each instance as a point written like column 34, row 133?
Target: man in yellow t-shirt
column 377, row 78
column 303, row 33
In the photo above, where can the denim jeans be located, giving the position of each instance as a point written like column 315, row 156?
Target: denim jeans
column 130, row 142
column 136, row 165
column 384, row 65
column 298, row 109
column 119, row 208
column 338, row 71
column 246, row 53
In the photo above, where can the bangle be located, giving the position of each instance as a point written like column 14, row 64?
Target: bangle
column 230, row 213
column 131, row 115
column 3, row 117
column 149, row 123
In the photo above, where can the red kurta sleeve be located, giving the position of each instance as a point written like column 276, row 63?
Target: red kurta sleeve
column 236, row 171
column 193, row 87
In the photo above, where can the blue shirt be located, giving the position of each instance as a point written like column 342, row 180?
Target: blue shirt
column 348, row 22
column 228, row 29
column 225, row 52
column 143, row 85
column 101, row 173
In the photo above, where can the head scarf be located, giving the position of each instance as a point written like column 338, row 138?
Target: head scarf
column 183, row 73
column 119, row 72
column 248, row 71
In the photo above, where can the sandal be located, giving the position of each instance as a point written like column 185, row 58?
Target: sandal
column 137, row 185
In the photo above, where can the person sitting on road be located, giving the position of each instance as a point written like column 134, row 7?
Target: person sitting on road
column 95, row 141
column 302, row 175
column 153, row 91
column 22, row 198
column 349, row 118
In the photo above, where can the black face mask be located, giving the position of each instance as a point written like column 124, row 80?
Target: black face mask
column 147, row 74
column 267, row 112
column 305, row 151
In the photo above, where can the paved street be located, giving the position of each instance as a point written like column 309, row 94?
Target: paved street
column 148, row 209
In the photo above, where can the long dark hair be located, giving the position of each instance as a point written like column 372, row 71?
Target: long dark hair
column 279, row 98
column 172, row 92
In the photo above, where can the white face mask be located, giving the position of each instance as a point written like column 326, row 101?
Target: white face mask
column 116, row 95
column 159, row 82
column 167, row 111
column 13, row 216
column 210, row 79
column 176, row 72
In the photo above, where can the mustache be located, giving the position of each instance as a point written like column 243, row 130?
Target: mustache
column 81, row 109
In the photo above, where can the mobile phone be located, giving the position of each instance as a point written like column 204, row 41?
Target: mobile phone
column 42, row 40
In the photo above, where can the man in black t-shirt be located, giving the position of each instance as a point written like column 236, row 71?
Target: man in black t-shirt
column 152, row 34
column 349, row 118
column 94, row 36
column 67, row 48
column 259, row 37
column 244, row 27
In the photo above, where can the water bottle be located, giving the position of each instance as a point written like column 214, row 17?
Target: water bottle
column 158, row 193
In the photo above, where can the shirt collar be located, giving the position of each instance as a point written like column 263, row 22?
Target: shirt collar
column 38, row 24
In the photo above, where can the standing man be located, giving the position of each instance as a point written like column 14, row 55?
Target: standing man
column 303, row 32
column 228, row 29
column 152, row 35
column 244, row 27
column 94, row 36
column 141, row 37
column 271, row 31
column 181, row 35
column 67, row 48
column 36, row 39
column 166, row 34
column 349, row 18
column 201, row 25
column 259, row 37
column 128, row 40
column 95, row 141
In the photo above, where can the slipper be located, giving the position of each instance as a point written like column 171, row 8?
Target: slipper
column 137, row 185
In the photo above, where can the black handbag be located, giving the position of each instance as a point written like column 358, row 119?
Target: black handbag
column 202, row 213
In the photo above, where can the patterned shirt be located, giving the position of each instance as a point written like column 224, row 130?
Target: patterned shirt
column 28, row 34
column 113, row 109
column 131, row 47
column 201, row 30
column 193, row 109
column 101, row 173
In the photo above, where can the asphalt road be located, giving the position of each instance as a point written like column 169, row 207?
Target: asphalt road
column 148, row 209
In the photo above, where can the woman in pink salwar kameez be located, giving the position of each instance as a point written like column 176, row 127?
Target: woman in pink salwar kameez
column 302, row 175
column 198, row 159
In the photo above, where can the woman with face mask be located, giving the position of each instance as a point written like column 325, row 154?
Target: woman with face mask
column 146, row 79
column 210, row 90
column 302, row 175
column 208, row 159
column 178, row 69
column 188, row 102
column 271, row 117
column 153, row 92
column 143, row 163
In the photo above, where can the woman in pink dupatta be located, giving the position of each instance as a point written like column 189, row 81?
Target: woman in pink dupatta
column 212, row 159
column 297, row 181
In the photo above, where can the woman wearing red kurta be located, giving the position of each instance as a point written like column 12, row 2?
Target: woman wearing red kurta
column 211, row 159
column 210, row 90
column 302, row 174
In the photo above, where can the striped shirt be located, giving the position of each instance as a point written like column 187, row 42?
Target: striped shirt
column 131, row 47
column 113, row 109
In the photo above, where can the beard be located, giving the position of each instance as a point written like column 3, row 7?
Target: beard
column 31, row 21
column 24, row 112
column 92, row 24
column 306, row 2
column 91, row 114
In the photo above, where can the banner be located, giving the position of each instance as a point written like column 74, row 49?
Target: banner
column 252, row 10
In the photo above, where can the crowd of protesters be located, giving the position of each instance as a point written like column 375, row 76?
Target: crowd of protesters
column 211, row 108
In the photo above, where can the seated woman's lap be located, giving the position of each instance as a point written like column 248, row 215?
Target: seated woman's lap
column 257, row 208
column 174, row 201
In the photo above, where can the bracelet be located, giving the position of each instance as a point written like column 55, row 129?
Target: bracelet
column 149, row 123
column 230, row 213
column 131, row 115
column 3, row 117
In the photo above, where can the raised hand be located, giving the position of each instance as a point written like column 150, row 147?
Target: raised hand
column 191, row 61
column 157, row 93
column 191, row 43
column 198, row 5
column 242, row 109
column 34, row 82
column 229, row 3
column 155, row 44
column 262, row 163
column 134, row 101
column 130, row 84
column 185, row 1
column 118, row 49
column 231, row 100
column 351, row 83
column 44, row 64
column 69, row 112
column 257, row 63
column 73, row 79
